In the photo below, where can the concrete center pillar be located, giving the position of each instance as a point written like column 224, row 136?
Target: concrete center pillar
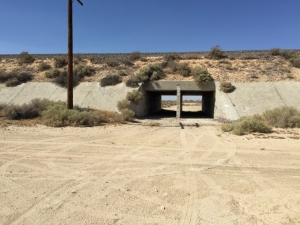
column 179, row 102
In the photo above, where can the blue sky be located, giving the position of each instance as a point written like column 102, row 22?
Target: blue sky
column 110, row 26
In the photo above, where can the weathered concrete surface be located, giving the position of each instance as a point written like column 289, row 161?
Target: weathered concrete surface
column 88, row 94
column 224, row 108
column 247, row 99
column 172, row 86
column 255, row 98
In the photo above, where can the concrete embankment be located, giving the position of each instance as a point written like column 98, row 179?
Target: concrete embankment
column 255, row 98
column 88, row 94
column 248, row 98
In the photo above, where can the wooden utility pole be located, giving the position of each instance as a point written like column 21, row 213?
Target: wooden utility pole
column 70, row 54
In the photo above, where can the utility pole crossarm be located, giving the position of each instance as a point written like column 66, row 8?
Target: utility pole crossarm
column 80, row 2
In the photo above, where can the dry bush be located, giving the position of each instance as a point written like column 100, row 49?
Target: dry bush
column 201, row 75
column 58, row 115
column 216, row 53
column 14, row 78
column 275, row 51
column 60, row 61
column 183, row 69
column 295, row 62
column 128, row 63
column 227, row 87
column 25, row 58
column 123, row 104
column 151, row 72
column 52, row 73
column 247, row 125
column 191, row 56
column 62, row 79
column 4, row 76
column 135, row 56
column 133, row 82
column 43, row 66
column 84, row 70
column 134, row 96
column 127, row 114
column 282, row 117
column 94, row 59
column 172, row 56
column 26, row 111
column 122, row 73
column 249, row 56
column 110, row 80
column 111, row 62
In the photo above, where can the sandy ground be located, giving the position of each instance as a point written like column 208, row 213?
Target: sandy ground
column 132, row 174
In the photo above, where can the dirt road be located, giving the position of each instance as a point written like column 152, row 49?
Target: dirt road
column 148, row 175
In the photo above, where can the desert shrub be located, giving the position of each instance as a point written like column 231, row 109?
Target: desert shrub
column 86, row 118
column 172, row 56
column 151, row 72
column 111, row 62
column 4, row 76
column 135, row 56
column 15, row 78
column 43, row 66
column 227, row 87
column 60, row 61
column 282, row 117
column 248, row 56
column 94, row 59
column 84, row 70
column 132, row 82
column 201, row 75
column 216, row 53
column 247, row 125
column 128, row 63
column 191, row 56
column 78, row 58
column 12, row 82
column 26, row 111
column 123, row 104
column 57, row 115
column 134, row 96
column 23, row 77
column 41, row 104
column 62, row 79
column 295, row 62
column 294, row 121
column 76, row 61
column 183, row 69
column 288, row 54
column 127, row 114
column 25, row 57
column 122, row 73
column 52, row 73
column 110, row 80
column 275, row 51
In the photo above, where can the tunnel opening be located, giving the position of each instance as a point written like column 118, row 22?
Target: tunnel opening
column 166, row 105
column 178, row 99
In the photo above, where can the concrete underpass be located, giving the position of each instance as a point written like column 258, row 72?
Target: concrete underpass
column 153, row 92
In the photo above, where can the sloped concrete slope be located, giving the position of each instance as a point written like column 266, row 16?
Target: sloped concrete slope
column 255, row 98
column 89, row 94
column 224, row 109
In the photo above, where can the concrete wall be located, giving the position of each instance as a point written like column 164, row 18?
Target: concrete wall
column 255, row 98
column 248, row 98
column 88, row 94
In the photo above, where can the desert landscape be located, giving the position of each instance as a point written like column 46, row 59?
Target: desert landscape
column 135, row 174
column 158, row 170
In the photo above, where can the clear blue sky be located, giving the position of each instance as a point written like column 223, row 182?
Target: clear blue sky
column 110, row 26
